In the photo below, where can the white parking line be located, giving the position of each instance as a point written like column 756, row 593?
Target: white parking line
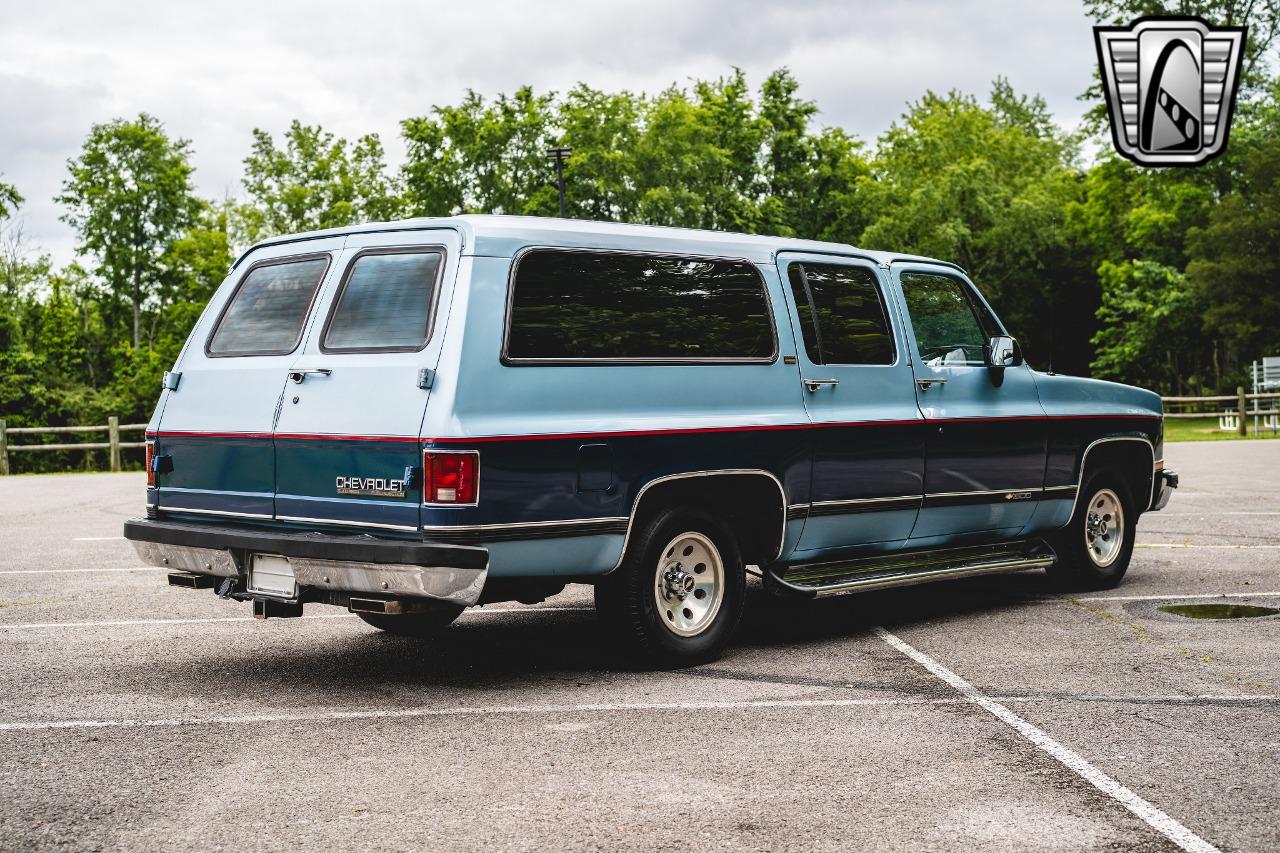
column 1184, row 545
column 78, row 571
column 583, row 708
column 1152, row 816
column 118, row 623
column 1204, row 512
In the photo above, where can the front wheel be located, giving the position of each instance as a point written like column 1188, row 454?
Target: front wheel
column 678, row 595
column 1094, row 549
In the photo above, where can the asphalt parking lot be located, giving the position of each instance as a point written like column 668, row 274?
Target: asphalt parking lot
column 992, row 713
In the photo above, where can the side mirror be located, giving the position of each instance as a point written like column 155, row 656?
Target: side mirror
column 1002, row 351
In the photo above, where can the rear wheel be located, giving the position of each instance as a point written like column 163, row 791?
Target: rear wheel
column 678, row 595
column 431, row 622
column 1094, row 549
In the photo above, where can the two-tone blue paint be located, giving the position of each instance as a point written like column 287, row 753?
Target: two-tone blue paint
column 872, row 464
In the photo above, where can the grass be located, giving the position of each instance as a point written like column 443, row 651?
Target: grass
column 1206, row 429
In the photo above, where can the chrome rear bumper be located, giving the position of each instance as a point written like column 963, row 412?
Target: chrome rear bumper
column 325, row 562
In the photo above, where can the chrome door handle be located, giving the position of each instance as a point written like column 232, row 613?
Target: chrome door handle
column 814, row 384
column 301, row 373
column 926, row 384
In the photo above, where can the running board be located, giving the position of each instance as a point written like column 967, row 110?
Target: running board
column 899, row 569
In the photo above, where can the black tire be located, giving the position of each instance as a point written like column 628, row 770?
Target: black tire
column 1079, row 565
column 425, row 623
column 627, row 600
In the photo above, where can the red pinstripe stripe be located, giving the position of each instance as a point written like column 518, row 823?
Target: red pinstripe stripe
column 202, row 434
column 642, row 433
column 296, row 436
column 823, row 425
column 307, row 436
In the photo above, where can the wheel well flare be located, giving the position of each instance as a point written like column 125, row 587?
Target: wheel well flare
column 751, row 503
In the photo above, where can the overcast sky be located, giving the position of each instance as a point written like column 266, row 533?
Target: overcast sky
column 212, row 72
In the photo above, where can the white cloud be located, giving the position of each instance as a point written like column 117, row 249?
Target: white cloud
column 212, row 72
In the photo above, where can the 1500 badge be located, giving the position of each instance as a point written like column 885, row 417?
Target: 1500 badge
column 371, row 487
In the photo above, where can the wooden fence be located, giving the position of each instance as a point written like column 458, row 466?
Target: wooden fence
column 1240, row 405
column 113, row 444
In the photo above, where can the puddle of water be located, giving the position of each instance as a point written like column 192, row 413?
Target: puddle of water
column 1219, row 611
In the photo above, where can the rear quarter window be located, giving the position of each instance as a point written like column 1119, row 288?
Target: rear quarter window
column 266, row 313
column 596, row 306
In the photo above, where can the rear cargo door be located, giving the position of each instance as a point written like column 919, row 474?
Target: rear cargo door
column 215, row 433
column 346, row 442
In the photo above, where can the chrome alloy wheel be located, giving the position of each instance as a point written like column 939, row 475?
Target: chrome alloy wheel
column 1104, row 528
column 689, row 584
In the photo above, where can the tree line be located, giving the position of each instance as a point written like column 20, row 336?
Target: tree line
column 1166, row 278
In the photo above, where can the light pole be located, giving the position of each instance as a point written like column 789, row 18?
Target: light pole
column 559, row 155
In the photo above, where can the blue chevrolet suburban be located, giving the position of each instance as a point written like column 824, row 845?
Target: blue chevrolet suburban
column 408, row 419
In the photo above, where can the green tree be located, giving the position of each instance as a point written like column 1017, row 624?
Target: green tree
column 810, row 179
column 10, row 201
column 314, row 180
column 989, row 186
column 1138, row 223
column 698, row 158
column 602, row 128
column 481, row 156
column 192, row 268
column 710, row 156
column 19, row 365
column 129, row 195
column 1134, row 222
column 1234, row 262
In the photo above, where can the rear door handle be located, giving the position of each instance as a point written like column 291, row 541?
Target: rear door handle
column 814, row 384
column 301, row 373
column 926, row 384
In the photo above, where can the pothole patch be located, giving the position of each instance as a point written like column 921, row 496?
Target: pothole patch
column 1207, row 611
column 1219, row 611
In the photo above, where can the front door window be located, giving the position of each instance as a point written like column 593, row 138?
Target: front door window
column 951, row 327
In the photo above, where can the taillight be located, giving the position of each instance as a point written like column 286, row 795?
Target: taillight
column 450, row 477
column 151, row 463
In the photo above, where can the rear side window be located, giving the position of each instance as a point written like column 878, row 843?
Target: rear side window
column 607, row 306
column 267, row 311
column 841, row 313
column 385, row 303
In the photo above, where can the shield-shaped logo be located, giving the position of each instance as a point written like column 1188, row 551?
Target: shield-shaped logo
column 1171, row 87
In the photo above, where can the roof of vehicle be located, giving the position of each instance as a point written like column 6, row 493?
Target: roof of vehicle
column 503, row 236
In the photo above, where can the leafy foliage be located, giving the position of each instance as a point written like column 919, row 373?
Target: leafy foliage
column 989, row 187
column 128, row 195
column 712, row 156
column 82, row 343
column 1235, row 264
column 1162, row 277
column 316, row 180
